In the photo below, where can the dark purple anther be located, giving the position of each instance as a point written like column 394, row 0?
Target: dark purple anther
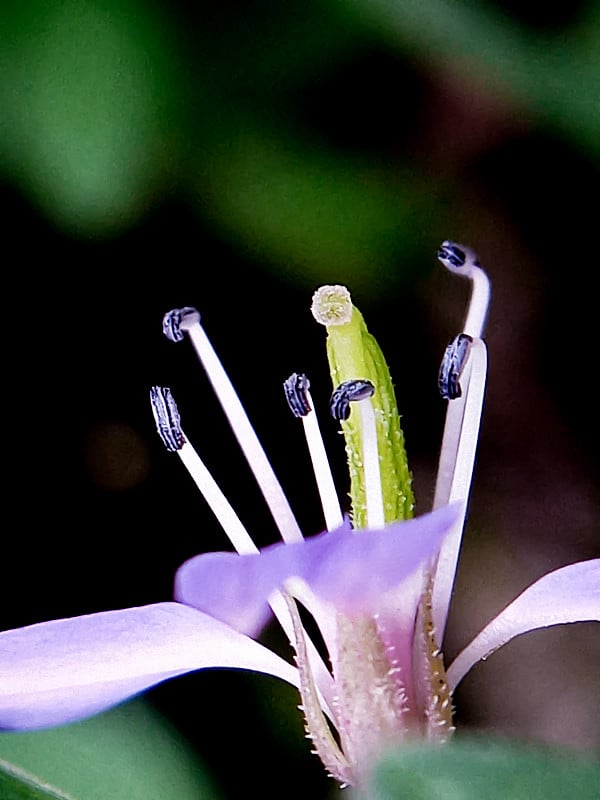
column 456, row 256
column 177, row 320
column 296, row 388
column 166, row 416
column 346, row 393
column 453, row 362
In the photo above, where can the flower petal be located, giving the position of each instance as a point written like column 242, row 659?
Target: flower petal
column 351, row 570
column 64, row 670
column 569, row 594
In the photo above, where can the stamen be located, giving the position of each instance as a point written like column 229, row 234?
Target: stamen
column 297, row 394
column 452, row 366
column 462, row 379
column 161, row 400
column 168, row 425
column 455, row 256
column 166, row 416
column 463, row 261
column 346, row 393
column 179, row 320
column 361, row 391
column 188, row 320
column 462, row 426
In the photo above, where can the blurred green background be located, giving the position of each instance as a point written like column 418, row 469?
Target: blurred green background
column 234, row 156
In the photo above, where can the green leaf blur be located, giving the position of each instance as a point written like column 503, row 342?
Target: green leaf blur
column 130, row 753
column 472, row 769
column 18, row 785
column 89, row 124
column 110, row 107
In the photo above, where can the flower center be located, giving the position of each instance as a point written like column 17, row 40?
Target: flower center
column 388, row 678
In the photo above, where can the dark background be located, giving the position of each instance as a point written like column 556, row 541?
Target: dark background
column 276, row 147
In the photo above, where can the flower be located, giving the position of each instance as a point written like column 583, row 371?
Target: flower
column 378, row 584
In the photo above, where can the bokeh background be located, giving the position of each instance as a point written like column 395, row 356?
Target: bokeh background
column 234, row 156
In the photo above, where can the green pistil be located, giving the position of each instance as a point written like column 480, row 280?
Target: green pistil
column 353, row 353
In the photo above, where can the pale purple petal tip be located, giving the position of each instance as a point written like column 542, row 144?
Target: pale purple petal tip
column 569, row 594
column 350, row 569
column 65, row 670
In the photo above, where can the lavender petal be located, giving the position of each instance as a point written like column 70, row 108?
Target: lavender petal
column 569, row 594
column 352, row 570
column 61, row 671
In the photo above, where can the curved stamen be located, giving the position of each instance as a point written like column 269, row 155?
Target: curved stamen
column 298, row 397
column 188, row 320
column 462, row 381
column 462, row 260
column 360, row 391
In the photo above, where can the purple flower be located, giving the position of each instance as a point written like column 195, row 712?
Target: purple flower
column 378, row 586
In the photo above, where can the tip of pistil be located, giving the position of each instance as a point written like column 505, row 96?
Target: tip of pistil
column 332, row 305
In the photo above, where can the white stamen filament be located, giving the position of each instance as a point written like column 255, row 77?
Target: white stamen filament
column 478, row 304
column 244, row 545
column 461, row 433
column 322, row 470
column 463, row 424
column 451, row 440
column 216, row 499
column 248, row 440
column 270, row 486
column 372, row 472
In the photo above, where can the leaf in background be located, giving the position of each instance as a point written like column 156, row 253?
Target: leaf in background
column 313, row 213
column 18, row 785
column 475, row 769
column 130, row 753
column 88, row 99
column 555, row 76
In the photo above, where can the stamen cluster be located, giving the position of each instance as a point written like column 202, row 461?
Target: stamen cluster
column 386, row 680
